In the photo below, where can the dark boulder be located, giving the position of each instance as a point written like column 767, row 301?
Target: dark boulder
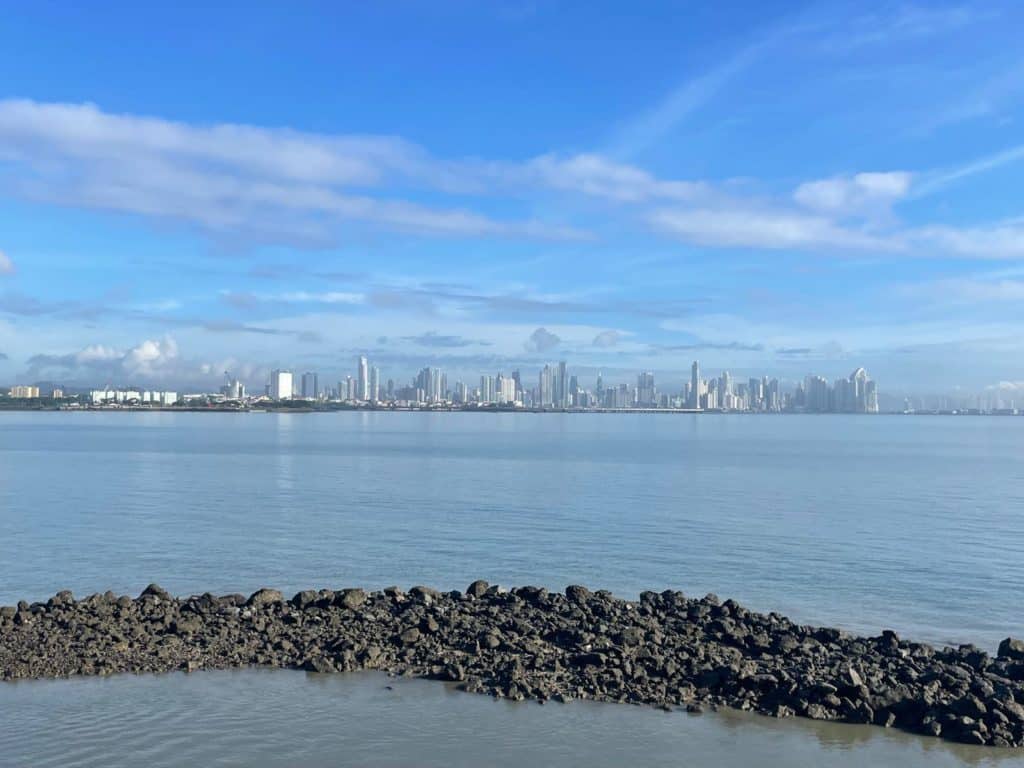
column 154, row 590
column 478, row 588
column 352, row 599
column 577, row 594
column 1011, row 648
column 263, row 597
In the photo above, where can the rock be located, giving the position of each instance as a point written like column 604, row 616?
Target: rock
column 306, row 598
column 577, row 594
column 477, row 589
column 588, row 660
column 318, row 664
column 1011, row 648
column 264, row 597
column 852, row 677
column 410, row 636
column 424, row 594
column 665, row 650
column 353, row 599
column 154, row 590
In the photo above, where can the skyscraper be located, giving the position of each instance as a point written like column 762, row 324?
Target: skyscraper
column 505, row 390
column 310, row 386
column 487, row 389
column 280, row 387
column 546, row 389
column 645, row 392
column 562, row 390
column 363, row 380
column 374, row 384
column 695, row 385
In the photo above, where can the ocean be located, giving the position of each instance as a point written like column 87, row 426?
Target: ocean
column 863, row 522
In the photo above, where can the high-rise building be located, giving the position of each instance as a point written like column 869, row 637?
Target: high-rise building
column 546, row 388
column 280, row 387
column 374, row 394
column 310, row 388
column 363, row 380
column 505, row 390
column 695, row 385
column 433, row 384
column 23, row 391
column 816, row 394
column 755, row 395
column 562, row 386
column 487, row 389
column 646, row 395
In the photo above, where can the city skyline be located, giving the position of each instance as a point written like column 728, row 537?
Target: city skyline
column 552, row 383
column 556, row 387
column 627, row 193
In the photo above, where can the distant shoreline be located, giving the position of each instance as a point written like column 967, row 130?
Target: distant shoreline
column 402, row 409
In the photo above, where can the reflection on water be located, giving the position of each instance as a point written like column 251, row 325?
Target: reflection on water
column 266, row 719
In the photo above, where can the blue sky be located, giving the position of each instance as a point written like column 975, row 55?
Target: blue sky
column 769, row 188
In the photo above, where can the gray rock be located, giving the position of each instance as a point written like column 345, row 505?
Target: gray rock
column 264, row 597
column 1011, row 648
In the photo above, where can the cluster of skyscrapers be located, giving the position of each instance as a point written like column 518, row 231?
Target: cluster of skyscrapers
column 556, row 388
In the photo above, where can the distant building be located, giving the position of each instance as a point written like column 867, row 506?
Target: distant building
column 25, row 392
column 646, row 395
column 310, row 389
column 487, row 389
column 695, row 385
column 281, row 387
column 363, row 380
column 505, row 390
column 374, row 394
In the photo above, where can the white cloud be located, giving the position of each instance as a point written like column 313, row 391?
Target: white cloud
column 738, row 227
column 999, row 241
column 6, row 265
column 597, row 176
column 330, row 297
column 853, row 195
column 1007, row 386
column 152, row 362
column 246, row 180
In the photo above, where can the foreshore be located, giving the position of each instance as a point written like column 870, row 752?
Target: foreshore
column 664, row 650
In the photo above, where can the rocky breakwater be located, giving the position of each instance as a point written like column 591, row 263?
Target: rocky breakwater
column 526, row 643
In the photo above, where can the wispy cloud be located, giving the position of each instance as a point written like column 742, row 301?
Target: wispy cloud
column 598, row 176
column 6, row 265
column 227, row 326
column 232, row 179
column 434, row 339
column 652, row 126
column 906, row 23
column 771, row 229
column 730, row 346
column 939, row 179
column 859, row 194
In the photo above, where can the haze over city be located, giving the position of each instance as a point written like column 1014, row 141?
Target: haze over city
column 671, row 200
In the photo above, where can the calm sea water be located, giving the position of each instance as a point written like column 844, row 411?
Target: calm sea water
column 914, row 524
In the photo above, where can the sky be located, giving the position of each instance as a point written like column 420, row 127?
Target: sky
column 769, row 188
